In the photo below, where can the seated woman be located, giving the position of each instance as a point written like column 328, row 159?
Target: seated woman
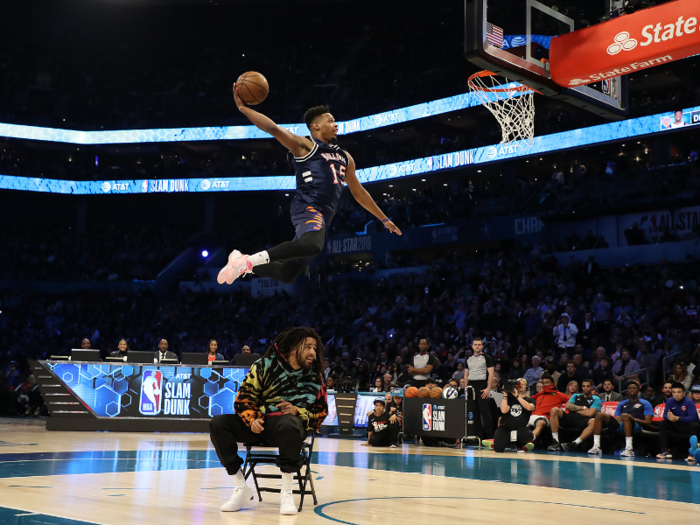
column 212, row 354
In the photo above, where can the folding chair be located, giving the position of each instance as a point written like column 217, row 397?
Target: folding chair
column 254, row 458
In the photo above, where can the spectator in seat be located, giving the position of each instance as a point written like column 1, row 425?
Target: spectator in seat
column 533, row 373
column 378, row 385
column 516, row 369
column 607, row 393
column 695, row 394
column 571, row 388
column 86, row 344
column 567, row 377
column 599, row 354
column 545, row 400
column 681, row 375
column 587, row 331
column 602, row 373
column 565, row 334
column 550, row 366
column 624, row 368
column 582, row 409
column 581, row 369
column 516, row 408
column 122, row 349
column 245, row 350
column 664, row 396
column 680, row 417
column 631, row 416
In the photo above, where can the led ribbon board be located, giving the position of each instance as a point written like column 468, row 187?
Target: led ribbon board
column 140, row 136
column 544, row 144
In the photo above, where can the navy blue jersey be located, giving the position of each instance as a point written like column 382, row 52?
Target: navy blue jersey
column 320, row 177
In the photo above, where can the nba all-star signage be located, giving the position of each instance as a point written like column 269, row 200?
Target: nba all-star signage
column 650, row 37
column 435, row 417
column 165, row 391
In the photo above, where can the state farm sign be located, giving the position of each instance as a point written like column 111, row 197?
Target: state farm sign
column 647, row 38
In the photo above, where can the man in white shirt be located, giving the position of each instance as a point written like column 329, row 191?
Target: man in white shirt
column 565, row 334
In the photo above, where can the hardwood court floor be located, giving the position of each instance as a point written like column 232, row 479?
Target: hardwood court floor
column 110, row 478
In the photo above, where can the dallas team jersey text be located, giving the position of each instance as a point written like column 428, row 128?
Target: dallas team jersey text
column 320, row 176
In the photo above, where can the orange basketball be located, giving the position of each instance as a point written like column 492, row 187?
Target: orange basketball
column 252, row 88
column 436, row 392
column 423, row 392
column 411, row 391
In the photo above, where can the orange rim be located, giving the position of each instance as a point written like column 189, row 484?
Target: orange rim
column 487, row 73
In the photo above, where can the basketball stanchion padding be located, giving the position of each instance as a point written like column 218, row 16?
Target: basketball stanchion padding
column 470, row 396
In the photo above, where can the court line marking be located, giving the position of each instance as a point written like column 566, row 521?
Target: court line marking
column 512, row 483
column 54, row 515
column 319, row 510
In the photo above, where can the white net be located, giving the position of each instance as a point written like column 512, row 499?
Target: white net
column 512, row 104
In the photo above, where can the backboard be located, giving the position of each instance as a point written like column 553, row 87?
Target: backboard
column 512, row 38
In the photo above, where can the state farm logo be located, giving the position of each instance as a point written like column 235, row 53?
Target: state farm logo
column 576, row 82
column 623, row 42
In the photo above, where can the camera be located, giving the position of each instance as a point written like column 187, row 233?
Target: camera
column 511, row 387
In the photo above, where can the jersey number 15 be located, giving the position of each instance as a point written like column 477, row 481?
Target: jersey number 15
column 341, row 169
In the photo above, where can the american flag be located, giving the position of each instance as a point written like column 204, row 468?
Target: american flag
column 494, row 35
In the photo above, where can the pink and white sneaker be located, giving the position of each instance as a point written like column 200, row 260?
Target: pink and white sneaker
column 238, row 265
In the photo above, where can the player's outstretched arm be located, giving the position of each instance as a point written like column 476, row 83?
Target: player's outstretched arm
column 298, row 146
column 365, row 199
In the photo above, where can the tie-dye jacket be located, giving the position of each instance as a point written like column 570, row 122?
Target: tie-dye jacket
column 271, row 380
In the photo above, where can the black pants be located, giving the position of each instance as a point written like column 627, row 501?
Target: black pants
column 287, row 433
column 483, row 409
column 501, row 438
column 692, row 429
column 386, row 437
column 289, row 259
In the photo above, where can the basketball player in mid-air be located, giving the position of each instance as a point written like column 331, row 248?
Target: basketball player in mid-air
column 321, row 168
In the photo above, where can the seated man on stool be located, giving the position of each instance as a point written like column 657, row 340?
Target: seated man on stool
column 280, row 401
column 582, row 409
column 516, row 409
column 382, row 427
column 631, row 416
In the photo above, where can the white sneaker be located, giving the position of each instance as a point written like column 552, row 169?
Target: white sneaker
column 287, row 506
column 237, row 266
column 595, row 450
column 241, row 497
column 627, row 453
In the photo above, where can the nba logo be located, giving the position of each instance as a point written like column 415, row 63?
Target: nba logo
column 427, row 417
column 151, row 392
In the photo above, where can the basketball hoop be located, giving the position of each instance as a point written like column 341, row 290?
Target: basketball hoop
column 512, row 104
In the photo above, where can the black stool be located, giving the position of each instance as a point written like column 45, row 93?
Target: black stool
column 254, row 458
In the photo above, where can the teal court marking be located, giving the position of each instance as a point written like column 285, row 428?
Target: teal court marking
column 9, row 516
column 629, row 478
column 320, row 509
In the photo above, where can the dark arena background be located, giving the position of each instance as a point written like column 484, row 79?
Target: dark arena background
column 550, row 245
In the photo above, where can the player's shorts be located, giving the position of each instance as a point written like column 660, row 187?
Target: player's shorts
column 534, row 419
column 616, row 428
column 574, row 422
column 308, row 220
